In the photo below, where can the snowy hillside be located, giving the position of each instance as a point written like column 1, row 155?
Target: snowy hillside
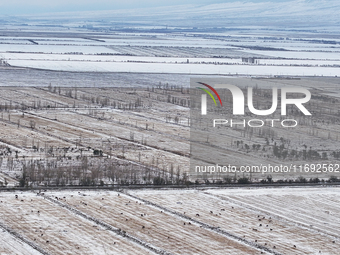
column 235, row 13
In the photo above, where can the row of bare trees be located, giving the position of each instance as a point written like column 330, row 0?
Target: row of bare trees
column 95, row 171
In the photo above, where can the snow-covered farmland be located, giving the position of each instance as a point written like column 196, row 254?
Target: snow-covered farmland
column 58, row 231
column 116, row 58
column 105, row 104
column 196, row 69
column 215, row 221
column 176, row 53
column 55, row 49
column 146, row 132
column 286, row 220
column 10, row 245
column 298, row 54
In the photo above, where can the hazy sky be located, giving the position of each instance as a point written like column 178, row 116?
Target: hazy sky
column 17, row 7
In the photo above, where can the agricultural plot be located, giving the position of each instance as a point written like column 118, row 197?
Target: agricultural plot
column 216, row 221
column 184, row 53
column 240, row 145
column 152, row 225
column 9, row 245
column 288, row 221
column 55, row 230
column 103, row 107
column 62, row 126
column 146, row 130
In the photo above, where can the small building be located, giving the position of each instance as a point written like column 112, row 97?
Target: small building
column 250, row 60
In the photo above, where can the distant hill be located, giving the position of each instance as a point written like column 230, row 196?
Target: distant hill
column 296, row 13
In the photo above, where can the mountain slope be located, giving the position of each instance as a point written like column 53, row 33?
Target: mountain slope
column 295, row 13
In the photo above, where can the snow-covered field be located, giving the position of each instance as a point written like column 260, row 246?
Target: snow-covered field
column 215, row 221
column 56, row 230
column 10, row 245
column 183, row 53
column 205, row 69
column 102, row 98
column 149, row 127
column 55, row 49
